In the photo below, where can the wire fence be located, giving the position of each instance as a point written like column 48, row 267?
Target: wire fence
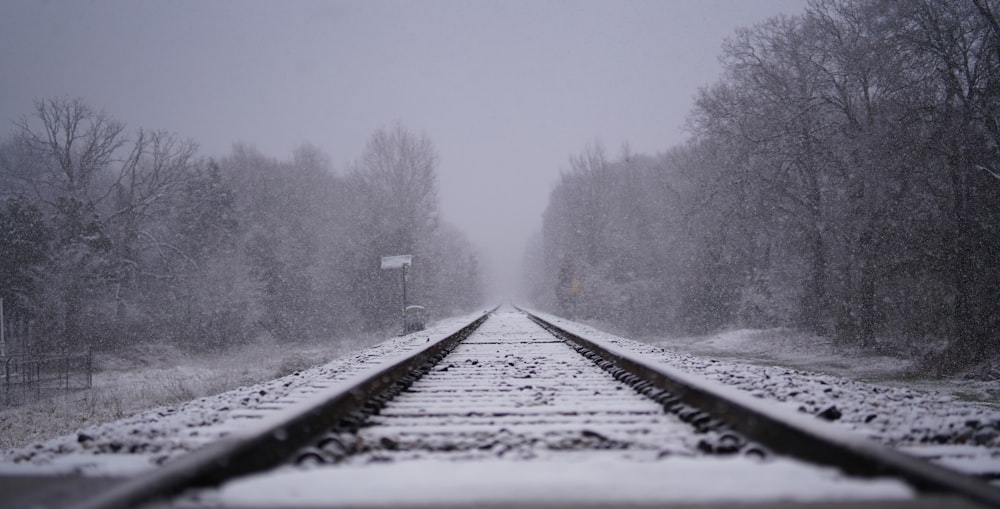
column 28, row 377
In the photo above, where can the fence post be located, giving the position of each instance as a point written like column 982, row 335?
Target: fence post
column 3, row 336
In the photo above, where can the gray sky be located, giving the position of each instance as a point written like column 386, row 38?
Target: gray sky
column 506, row 90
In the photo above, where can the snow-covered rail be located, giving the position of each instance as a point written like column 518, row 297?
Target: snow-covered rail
column 275, row 439
column 511, row 390
column 516, row 411
column 784, row 432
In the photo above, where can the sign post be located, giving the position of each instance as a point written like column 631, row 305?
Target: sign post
column 575, row 288
column 399, row 262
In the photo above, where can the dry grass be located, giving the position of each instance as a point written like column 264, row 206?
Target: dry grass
column 137, row 380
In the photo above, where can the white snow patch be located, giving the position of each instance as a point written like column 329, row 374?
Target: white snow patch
column 598, row 480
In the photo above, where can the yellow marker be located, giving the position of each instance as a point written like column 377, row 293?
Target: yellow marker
column 576, row 286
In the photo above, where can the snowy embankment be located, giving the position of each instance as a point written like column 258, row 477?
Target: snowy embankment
column 958, row 434
column 151, row 437
column 143, row 377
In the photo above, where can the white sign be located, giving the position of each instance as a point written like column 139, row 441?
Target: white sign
column 396, row 262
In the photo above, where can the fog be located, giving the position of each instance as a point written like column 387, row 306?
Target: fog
column 206, row 173
column 505, row 91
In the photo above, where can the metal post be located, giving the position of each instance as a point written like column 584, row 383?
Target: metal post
column 403, row 272
column 3, row 337
column 401, row 262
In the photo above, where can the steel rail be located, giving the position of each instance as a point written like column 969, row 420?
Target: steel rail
column 787, row 433
column 276, row 440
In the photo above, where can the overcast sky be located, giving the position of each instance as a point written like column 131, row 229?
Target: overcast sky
column 506, row 90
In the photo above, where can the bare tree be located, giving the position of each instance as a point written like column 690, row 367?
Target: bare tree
column 397, row 171
column 102, row 188
column 75, row 143
column 394, row 188
column 961, row 44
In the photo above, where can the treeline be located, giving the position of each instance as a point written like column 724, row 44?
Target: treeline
column 843, row 178
column 111, row 237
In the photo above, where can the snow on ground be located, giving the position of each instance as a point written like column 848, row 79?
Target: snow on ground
column 917, row 422
column 134, row 380
column 795, row 349
column 790, row 348
column 957, row 434
column 589, row 482
column 151, row 437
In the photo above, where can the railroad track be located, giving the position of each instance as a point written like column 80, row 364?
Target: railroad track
column 514, row 410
